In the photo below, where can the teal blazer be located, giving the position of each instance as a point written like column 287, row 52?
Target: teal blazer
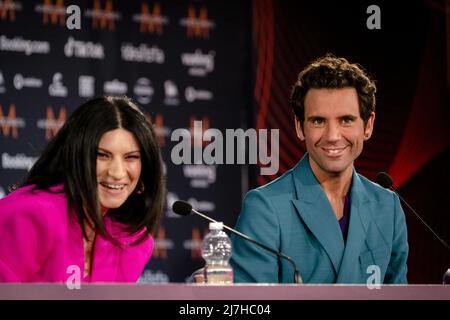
column 293, row 215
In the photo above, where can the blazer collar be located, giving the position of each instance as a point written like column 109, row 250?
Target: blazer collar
column 315, row 210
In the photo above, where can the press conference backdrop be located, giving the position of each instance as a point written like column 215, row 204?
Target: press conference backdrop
column 173, row 57
column 231, row 64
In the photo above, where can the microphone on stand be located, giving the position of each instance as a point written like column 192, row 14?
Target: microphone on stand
column 184, row 208
column 384, row 180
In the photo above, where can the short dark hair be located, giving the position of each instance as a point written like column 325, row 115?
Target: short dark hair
column 333, row 73
column 70, row 158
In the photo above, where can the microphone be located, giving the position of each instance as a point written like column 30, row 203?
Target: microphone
column 384, row 180
column 185, row 208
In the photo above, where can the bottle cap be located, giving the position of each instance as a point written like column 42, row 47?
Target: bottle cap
column 215, row 225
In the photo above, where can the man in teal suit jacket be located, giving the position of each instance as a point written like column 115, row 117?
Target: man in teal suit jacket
column 336, row 225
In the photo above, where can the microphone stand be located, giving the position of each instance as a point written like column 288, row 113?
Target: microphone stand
column 297, row 278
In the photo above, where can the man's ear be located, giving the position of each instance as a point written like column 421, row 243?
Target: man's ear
column 369, row 127
column 299, row 129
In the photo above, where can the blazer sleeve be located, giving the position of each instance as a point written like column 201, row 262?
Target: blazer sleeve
column 397, row 268
column 25, row 240
column 259, row 221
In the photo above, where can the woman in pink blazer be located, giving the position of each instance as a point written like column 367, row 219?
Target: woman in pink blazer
column 89, row 206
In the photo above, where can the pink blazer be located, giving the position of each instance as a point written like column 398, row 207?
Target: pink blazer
column 41, row 242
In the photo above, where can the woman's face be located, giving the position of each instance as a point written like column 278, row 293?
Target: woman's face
column 118, row 167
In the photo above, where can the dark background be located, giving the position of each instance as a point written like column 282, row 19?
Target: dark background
column 260, row 46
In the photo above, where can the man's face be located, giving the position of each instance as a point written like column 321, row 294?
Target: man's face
column 333, row 130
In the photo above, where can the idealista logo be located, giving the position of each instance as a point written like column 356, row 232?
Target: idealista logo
column 150, row 21
column 50, row 124
column 103, row 17
column 57, row 88
column 81, row 49
column 115, row 87
column 197, row 26
column 8, row 8
column 11, row 123
column 199, row 64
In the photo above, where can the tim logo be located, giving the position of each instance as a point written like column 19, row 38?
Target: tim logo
column 53, row 12
column 10, row 123
column 197, row 24
column 198, row 131
column 50, row 124
column 8, row 9
column 103, row 17
column 151, row 21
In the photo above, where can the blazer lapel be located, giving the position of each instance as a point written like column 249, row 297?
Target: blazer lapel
column 360, row 218
column 315, row 210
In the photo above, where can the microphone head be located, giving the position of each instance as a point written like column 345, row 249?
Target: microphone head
column 384, row 180
column 182, row 208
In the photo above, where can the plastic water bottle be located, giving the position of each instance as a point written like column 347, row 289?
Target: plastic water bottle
column 216, row 250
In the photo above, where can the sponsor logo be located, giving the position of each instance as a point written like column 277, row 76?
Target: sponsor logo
column 103, row 18
column 21, row 82
column 115, row 87
column 57, row 88
column 142, row 53
column 50, row 124
column 199, row 64
column 2, row 83
column 86, row 86
column 171, row 93
column 162, row 244
column 81, row 49
column 149, row 276
column 191, row 94
column 151, row 21
column 143, row 90
column 195, row 244
column 197, row 26
column 17, row 162
column 201, row 176
column 51, row 13
column 17, row 44
column 161, row 131
column 11, row 123
column 203, row 206
column 8, row 9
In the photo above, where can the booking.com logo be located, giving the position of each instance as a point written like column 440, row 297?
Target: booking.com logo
column 217, row 144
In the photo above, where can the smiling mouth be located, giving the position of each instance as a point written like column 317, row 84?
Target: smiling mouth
column 113, row 187
column 334, row 151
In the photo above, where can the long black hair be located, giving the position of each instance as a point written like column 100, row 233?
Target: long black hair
column 70, row 158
